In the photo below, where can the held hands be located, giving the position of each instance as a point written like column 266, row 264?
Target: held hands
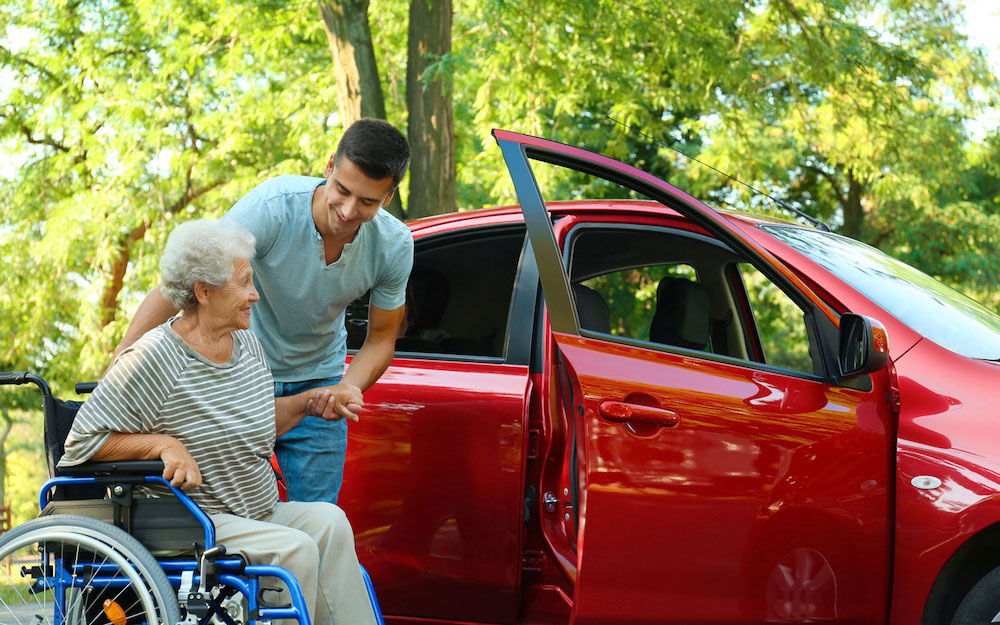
column 341, row 401
column 179, row 467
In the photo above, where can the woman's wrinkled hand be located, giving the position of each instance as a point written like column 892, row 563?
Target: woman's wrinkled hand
column 179, row 467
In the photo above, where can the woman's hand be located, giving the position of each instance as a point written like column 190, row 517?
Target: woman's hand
column 332, row 403
column 179, row 467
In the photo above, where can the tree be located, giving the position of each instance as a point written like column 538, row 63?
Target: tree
column 359, row 88
column 129, row 116
column 845, row 122
column 430, row 128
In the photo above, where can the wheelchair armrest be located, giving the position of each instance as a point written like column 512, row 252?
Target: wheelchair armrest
column 116, row 468
column 82, row 388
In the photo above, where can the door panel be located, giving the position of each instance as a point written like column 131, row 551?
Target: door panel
column 762, row 497
column 433, row 488
column 435, row 468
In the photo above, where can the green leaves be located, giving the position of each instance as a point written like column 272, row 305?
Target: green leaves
column 124, row 117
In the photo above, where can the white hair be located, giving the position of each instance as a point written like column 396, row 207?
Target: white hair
column 205, row 250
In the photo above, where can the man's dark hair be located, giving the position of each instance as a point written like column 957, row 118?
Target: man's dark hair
column 377, row 147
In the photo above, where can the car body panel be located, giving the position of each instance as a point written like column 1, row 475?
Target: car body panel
column 946, row 430
column 434, row 488
column 712, row 504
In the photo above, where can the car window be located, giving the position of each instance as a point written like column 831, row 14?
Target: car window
column 458, row 296
column 668, row 283
column 781, row 337
column 631, row 298
column 672, row 287
column 931, row 308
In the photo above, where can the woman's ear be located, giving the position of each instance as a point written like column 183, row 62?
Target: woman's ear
column 201, row 291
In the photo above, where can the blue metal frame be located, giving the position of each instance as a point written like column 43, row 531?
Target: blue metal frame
column 229, row 567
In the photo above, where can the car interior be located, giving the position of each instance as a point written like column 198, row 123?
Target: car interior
column 458, row 296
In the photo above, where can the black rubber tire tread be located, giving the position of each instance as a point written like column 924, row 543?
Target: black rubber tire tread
column 982, row 603
column 116, row 539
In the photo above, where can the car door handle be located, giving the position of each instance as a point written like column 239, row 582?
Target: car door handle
column 622, row 412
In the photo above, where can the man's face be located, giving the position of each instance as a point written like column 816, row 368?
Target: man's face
column 349, row 198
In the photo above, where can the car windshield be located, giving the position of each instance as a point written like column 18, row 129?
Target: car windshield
column 932, row 309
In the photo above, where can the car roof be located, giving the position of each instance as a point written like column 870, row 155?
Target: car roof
column 512, row 214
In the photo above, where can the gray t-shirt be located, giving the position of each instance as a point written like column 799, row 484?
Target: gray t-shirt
column 300, row 316
column 222, row 413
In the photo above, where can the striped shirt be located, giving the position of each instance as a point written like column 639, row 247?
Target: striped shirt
column 222, row 413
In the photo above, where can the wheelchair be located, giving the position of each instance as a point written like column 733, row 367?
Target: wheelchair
column 102, row 554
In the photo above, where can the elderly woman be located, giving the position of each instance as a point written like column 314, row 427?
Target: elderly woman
column 197, row 393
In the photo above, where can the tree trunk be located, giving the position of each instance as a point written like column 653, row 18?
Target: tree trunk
column 854, row 211
column 109, row 302
column 359, row 91
column 428, row 98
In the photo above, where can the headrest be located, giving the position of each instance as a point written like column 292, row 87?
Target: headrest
column 592, row 309
column 682, row 314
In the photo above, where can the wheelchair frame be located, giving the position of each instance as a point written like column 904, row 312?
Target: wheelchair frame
column 196, row 579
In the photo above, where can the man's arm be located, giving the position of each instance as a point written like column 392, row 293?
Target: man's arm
column 179, row 467
column 344, row 400
column 153, row 311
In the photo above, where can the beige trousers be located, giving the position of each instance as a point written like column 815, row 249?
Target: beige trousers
column 314, row 541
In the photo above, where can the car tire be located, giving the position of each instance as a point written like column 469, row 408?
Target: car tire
column 982, row 604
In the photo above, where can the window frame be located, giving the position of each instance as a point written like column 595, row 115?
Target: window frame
column 736, row 298
column 516, row 350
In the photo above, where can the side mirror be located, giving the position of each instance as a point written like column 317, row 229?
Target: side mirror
column 864, row 345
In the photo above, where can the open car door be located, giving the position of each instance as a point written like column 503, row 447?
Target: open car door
column 712, row 484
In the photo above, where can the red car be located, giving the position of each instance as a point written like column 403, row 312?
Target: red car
column 648, row 411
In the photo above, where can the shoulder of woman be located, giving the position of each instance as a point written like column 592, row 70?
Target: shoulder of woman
column 251, row 343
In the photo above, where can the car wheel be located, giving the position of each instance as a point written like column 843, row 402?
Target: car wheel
column 982, row 604
column 802, row 586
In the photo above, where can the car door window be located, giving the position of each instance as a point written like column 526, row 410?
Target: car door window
column 780, row 327
column 670, row 287
column 630, row 296
column 458, row 296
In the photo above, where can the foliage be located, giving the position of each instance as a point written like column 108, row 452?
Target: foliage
column 124, row 117
column 26, row 469
column 130, row 116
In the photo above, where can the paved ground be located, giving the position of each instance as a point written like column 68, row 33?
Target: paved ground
column 26, row 613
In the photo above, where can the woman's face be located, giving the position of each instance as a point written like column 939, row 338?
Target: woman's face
column 229, row 304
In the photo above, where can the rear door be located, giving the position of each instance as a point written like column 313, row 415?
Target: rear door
column 435, row 468
column 721, row 476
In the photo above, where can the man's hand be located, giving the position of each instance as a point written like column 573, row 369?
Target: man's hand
column 341, row 401
column 179, row 467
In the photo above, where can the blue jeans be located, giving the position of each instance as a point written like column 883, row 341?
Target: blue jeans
column 311, row 454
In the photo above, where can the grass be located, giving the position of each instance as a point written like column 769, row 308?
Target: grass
column 13, row 587
column 16, row 592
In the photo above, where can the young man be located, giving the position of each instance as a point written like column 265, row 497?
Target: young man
column 320, row 244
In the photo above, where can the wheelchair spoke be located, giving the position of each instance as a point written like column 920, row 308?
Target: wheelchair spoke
column 24, row 609
column 93, row 574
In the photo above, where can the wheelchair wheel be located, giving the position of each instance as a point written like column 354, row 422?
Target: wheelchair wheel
column 73, row 570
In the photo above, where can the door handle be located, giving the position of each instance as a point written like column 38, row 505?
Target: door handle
column 622, row 412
